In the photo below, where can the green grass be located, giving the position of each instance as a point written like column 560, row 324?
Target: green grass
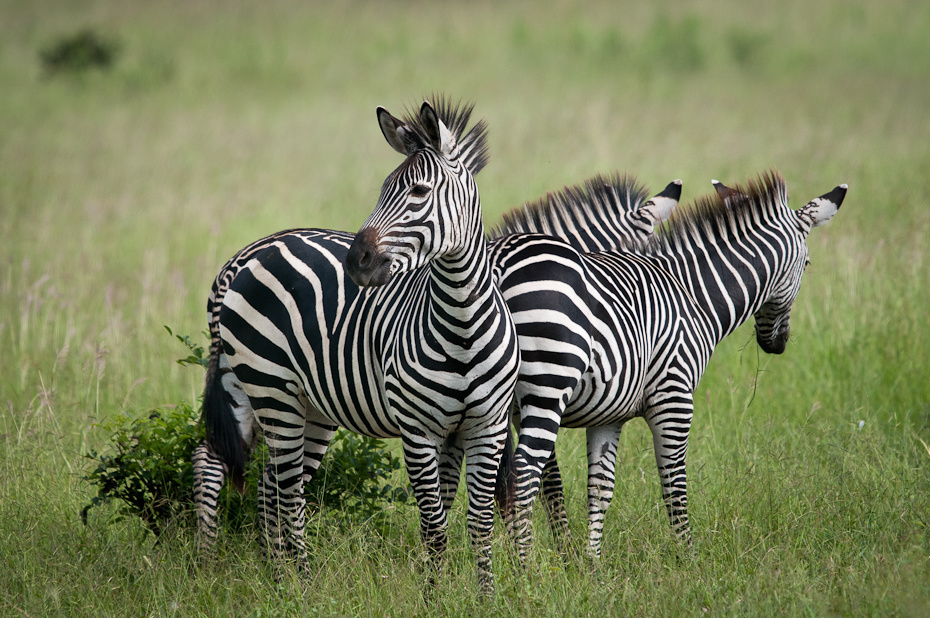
column 122, row 192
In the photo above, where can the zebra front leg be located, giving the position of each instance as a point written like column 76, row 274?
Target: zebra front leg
column 421, row 458
column 482, row 457
column 602, row 460
column 209, row 475
column 670, row 423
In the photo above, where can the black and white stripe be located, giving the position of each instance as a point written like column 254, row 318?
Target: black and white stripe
column 657, row 311
column 425, row 352
column 545, row 285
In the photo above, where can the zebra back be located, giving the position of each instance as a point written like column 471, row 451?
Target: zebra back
column 604, row 213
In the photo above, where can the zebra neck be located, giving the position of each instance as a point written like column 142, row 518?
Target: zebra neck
column 728, row 280
column 459, row 289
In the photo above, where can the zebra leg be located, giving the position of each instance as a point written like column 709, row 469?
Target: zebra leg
column 317, row 436
column 483, row 452
column 554, row 501
column 209, row 475
column 670, row 423
column 538, row 430
column 210, row 472
column 602, row 460
column 450, row 470
column 281, row 503
column 421, row 457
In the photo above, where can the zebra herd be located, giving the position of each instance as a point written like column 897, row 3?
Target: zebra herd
column 587, row 308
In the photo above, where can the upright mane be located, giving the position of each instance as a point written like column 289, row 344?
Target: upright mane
column 717, row 215
column 473, row 144
column 589, row 215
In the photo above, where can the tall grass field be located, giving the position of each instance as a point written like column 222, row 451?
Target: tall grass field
column 125, row 186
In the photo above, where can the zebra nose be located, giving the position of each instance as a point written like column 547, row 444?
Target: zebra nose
column 776, row 345
column 364, row 263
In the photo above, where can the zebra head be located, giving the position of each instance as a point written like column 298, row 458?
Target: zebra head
column 772, row 318
column 429, row 205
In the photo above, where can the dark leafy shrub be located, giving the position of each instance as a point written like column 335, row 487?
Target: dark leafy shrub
column 148, row 467
column 147, row 470
column 79, row 52
column 347, row 483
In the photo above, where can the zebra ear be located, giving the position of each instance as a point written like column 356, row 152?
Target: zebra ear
column 660, row 207
column 725, row 193
column 440, row 138
column 395, row 132
column 820, row 210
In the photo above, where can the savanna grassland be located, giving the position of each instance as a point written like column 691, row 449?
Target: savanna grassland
column 123, row 190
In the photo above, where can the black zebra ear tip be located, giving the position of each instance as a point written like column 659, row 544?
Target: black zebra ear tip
column 722, row 190
column 837, row 195
column 672, row 191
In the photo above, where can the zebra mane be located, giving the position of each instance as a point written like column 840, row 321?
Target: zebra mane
column 718, row 214
column 589, row 216
column 472, row 145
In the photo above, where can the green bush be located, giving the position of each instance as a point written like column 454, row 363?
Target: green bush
column 79, row 52
column 147, row 470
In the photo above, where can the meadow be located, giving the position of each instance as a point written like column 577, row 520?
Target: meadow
column 123, row 191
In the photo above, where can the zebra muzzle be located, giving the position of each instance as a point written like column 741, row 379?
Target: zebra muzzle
column 775, row 344
column 365, row 263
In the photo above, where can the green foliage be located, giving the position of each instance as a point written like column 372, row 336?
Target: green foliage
column 197, row 355
column 347, row 482
column 149, row 472
column 148, row 468
column 79, row 52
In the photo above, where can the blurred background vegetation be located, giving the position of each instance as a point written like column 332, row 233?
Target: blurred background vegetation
column 192, row 128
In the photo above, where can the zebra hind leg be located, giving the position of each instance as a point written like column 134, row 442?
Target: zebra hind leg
column 554, row 501
column 602, row 460
column 281, row 503
column 209, row 475
column 450, row 470
column 670, row 424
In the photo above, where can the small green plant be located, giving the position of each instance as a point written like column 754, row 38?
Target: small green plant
column 197, row 353
column 148, row 469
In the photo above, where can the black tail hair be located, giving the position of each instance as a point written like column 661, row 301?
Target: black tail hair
column 222, row 430
column 505, row 487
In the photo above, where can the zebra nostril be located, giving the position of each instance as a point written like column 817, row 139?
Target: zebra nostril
column 364, row 260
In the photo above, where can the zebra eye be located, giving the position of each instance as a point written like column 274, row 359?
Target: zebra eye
column 419, row 190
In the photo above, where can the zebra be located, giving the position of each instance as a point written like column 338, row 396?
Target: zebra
column 661, row 306
column 397, row 331
column 616, row 201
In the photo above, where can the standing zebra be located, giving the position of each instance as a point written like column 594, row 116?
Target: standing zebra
column 427, row 354
column 661, row 309
column 600, row 212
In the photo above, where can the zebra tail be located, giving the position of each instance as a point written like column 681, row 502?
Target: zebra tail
column 222, row 430
column 505, row 489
